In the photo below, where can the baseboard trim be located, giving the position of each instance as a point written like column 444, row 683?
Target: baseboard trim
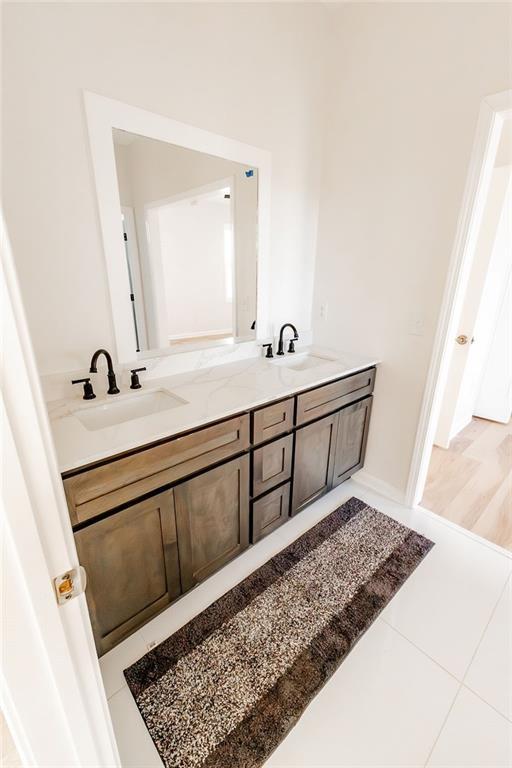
column 379, row 486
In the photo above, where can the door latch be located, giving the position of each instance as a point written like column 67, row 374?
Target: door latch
column 70, row 584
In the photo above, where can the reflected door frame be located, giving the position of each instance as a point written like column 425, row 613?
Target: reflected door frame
column 133, row 256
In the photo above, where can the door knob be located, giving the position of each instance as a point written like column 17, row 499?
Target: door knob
column 463, row 339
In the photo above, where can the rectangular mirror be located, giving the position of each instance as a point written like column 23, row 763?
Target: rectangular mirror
column 185, row 220
column 189, row 224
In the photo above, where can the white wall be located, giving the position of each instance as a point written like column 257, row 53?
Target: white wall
column 408, row 80
column 402, row 95
column 192, row 243
column 251, row 72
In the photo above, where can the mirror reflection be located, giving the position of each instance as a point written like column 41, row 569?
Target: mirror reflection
column 189, row 223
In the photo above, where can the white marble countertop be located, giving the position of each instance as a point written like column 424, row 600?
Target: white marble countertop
column 210, row 394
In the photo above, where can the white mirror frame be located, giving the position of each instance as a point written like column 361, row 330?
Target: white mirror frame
column 104, row 114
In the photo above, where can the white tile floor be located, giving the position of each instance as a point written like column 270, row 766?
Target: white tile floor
column 429, row 684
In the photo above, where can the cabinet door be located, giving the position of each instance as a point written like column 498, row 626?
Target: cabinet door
column 353, row 423
column 132, row 565
column 270, row 511
column 271, row 465
column 314, row 459
column 212, row 517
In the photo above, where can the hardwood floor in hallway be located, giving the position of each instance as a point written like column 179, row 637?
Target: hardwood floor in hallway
column 471, row 482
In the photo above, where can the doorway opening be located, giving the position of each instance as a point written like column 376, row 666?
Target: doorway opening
column 192, row 252
column 462, row 466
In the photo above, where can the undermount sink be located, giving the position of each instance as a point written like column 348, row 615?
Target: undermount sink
column 301, row 361
column 127, row 408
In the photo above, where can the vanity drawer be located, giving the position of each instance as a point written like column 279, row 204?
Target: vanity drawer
column 272, row 464
column 272, row 421
column 269, row 512
column 98, row 490
column 319, row 402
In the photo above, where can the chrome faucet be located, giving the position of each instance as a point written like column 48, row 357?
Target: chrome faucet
column 291, row 345
column 112, row 384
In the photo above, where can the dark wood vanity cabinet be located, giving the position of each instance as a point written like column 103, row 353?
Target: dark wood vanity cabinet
column 271, row 465
column 212, row 516
column 132, row 564
column 351, row 438
column 270, row 511
column 314, row 461
column 100, row 489
column 152, row 524
column 328, row 451
column 272, row 421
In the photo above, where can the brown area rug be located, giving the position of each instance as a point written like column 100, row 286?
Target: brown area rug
column 225, row 689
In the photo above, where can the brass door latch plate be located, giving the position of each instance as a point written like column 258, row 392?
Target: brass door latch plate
column 70, row 584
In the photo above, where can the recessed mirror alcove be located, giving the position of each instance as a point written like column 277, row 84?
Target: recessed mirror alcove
column 184, row 218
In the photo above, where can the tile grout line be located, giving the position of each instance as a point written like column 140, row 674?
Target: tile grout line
column 502, row 592
column 503, row 717
column 508, row 583
column 461, row 684
column 109, row 698
column 424, row 653
column 436, row 740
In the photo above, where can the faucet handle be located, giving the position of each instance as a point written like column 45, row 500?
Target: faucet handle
column 269, row 352
column 88, row 390
column 135, row 379
column 291, row 345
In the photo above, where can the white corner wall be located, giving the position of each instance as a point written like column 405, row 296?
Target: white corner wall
column 251, row 72
column 407, row 82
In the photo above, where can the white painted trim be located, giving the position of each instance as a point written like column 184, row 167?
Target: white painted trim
column 50, row 646
column 197, row 334
column 213, row 186
column 379, row 486
column 493, row 112
column 103, row 115
column 134, row 256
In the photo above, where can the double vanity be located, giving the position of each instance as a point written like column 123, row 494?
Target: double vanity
column 199, row 444
column 167, row 484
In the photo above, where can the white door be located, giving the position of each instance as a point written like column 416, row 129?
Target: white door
column 479, row 313
column 51, row 690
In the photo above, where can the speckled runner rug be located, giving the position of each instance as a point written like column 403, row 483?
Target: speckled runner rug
column 225, row 689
